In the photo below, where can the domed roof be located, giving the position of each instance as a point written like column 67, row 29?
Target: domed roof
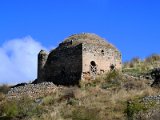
column 85, row 38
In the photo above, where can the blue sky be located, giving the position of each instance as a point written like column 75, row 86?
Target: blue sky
column 133, row 26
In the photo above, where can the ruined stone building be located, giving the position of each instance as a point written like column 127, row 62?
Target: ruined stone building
column 79, row 57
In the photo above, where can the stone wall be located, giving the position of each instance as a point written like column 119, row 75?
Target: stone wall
column 42, row 59
column 64, row 65
column 33, row 90
column 103, row 56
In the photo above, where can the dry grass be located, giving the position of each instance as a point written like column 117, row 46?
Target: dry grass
column 139, row 67
column 92, row 102
column 104, row 99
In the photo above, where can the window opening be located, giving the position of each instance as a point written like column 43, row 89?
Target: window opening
column 112, row 67
column 102, row 52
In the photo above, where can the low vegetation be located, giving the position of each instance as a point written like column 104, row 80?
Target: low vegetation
column 112, row 96
column 4, row 88
column 137, row 67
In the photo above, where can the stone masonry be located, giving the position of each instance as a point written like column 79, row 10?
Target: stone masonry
column 79, row 57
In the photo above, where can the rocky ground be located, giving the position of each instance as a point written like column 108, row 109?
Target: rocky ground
column 32, row 90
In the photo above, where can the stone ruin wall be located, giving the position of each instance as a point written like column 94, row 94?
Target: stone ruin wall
column 103, row 57
column 42, row 59
column 64, row 65
column 71, row 62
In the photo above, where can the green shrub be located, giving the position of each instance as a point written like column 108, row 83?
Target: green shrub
column 135, row 106
column 10, row 109
column 20, row 108
column 72, row 101
column 113, row 75
column 48, row 100
column 4, row 89
column 111, row 79
column 28, row 107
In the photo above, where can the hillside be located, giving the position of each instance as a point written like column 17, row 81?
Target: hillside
column 116, row 95
column 138, row 67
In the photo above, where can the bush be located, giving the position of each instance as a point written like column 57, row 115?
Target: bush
column 10, row 109
column 48, row 100
column 4, row 89
column 108, row 80
column 28, row 107
column 112, row 79
column 20, row 108
column 112, row 75
column 72, row 101
column 135, row 106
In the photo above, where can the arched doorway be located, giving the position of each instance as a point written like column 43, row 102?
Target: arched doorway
column 93, row 69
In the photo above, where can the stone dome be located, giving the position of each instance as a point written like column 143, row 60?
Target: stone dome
column 85, row 38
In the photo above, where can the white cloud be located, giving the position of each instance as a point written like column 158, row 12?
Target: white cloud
column 18, row 58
